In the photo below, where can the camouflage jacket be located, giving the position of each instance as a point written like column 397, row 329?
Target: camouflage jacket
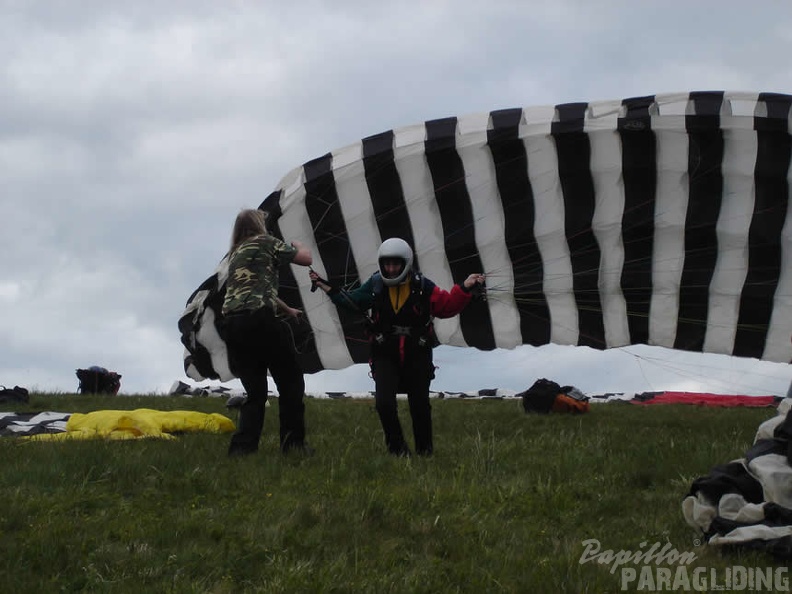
column 253, row 273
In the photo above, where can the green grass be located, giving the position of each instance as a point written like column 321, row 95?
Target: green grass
column 503, row 506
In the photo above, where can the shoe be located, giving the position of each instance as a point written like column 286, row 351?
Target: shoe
column 302, row 449
column 402, row 452
column 239, row 452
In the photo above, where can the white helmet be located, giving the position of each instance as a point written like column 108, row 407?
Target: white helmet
column 395, row 249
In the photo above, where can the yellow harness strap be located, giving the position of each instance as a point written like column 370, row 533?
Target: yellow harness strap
column 399, row 295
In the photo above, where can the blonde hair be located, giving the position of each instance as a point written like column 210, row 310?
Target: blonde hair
column 250, row 222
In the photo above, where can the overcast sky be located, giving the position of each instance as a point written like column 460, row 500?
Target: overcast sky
column 131, row 133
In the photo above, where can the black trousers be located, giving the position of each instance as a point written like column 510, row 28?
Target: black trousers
column 413, row 377
column 259, row 342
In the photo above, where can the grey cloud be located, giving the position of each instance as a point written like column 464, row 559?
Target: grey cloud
column 132, row 133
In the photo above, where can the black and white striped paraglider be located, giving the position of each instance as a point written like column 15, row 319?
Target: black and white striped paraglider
column 659, row 220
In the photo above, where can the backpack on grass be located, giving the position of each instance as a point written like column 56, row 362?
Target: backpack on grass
column 546, row 396
column 15, row 394
column 98, row 380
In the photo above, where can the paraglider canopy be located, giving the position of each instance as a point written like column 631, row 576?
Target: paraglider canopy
column 656, row 220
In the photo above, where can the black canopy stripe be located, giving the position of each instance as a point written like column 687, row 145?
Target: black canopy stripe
column 331, row 238
column 456, row 212
column 514, row 188
column 705, row 190
column 769, row 214
column 385, row 188
column 639, row 167
column 574, row 171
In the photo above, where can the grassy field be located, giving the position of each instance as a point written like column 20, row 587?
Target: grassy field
column 503, row 506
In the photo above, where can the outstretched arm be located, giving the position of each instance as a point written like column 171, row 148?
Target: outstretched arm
column 473, row 280
column 358, row 300
column 446, row 304
column 303, row 256
column 318, row 281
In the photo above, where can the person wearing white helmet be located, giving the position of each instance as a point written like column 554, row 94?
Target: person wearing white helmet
column 402, row 303
column 395, row 258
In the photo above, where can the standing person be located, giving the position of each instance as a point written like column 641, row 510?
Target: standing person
column 257, row 339
column 402, row 303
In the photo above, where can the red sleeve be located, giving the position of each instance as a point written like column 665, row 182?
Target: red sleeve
column 446, row 304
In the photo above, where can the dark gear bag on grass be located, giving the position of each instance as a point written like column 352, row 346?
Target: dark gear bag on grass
column 98, row 380
column 15, row 394
column 540, row 397
column 564, row 403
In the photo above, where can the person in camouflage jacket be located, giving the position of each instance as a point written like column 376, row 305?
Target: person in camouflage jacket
column 258, row 340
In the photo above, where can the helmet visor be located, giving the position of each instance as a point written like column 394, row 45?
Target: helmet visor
column 391, row 267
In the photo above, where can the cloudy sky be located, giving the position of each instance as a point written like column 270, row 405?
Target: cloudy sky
column 131, row 133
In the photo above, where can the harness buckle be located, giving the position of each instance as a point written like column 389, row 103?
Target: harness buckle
column 401, row 330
